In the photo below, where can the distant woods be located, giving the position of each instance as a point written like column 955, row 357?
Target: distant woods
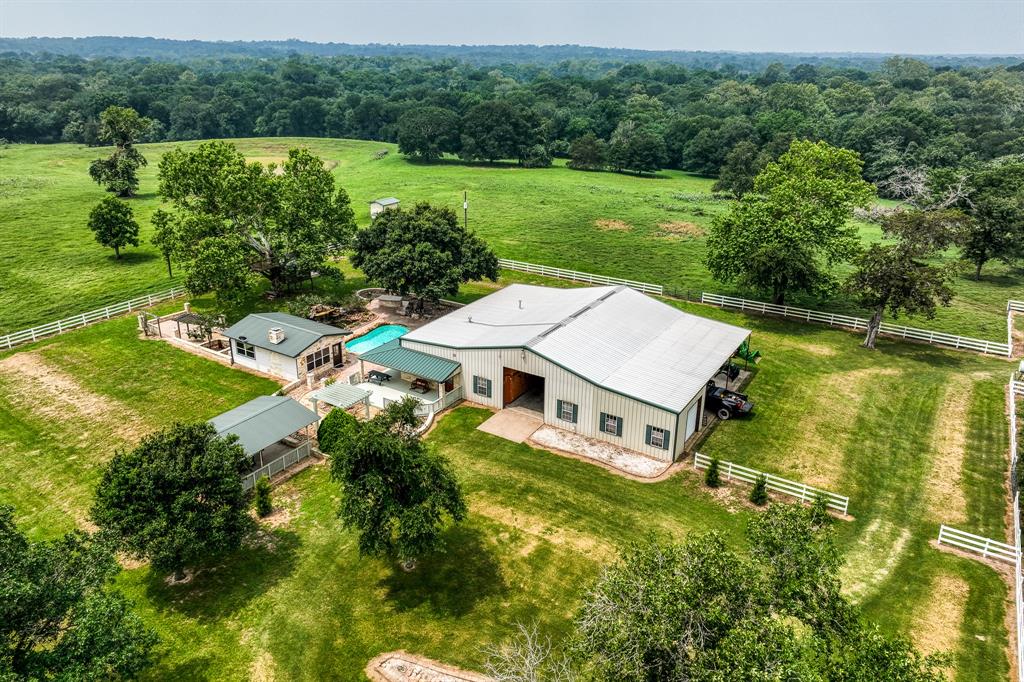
column 634, row 117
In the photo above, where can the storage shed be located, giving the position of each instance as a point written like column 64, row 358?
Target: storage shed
column 606, row 362
column 378, row 206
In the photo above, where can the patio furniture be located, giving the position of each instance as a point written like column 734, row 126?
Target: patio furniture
column 377, row 377
column 420, row 385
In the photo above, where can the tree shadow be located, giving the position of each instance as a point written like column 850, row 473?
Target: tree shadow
column 451, row 582
column 144, row 195
column 225, row 588
column 132, row 257
column 195, row 668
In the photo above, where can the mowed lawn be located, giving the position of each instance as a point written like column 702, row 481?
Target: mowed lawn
column 647, row 228
column 915, row 436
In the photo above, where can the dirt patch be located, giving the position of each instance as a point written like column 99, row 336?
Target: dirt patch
column 815, row 455
column 44, row 389
column 263, row 668
column 540, row 529
column 944, row 493
column 872, row 558
column 937, row 627
column 612, row 225
column 680, row 229
column 401, row 666
column 817, row 349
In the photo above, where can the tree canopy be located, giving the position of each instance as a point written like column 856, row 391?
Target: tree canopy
column 176, row 499
column 121, row 127
column 424, row 251
column 396, row 492
column 696, row 610
column 112, row 221
column 236, row 223
column 793, row 227
column 60, row 619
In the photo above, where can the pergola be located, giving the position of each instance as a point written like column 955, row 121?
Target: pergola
column 340, row 395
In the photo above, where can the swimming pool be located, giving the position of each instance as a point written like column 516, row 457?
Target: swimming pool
column 377, row 337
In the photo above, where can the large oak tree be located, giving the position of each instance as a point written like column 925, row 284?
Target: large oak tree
column 238, row 222
column 177, row 498
column 424, row 251
column 793, row 228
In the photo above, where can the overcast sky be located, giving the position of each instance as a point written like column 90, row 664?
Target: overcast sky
column 904, row 26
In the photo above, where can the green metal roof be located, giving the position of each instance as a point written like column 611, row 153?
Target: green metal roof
column 340, row 395
column 299, row 333
column 393, row 355
column 263, row 421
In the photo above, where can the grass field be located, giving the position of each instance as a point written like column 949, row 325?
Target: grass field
column 915, row 436
column 620, row 225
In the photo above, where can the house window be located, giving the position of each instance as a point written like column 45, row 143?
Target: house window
column 318, row 359
column 245, row 349
column 657, row 437
column 567, row 411
column 482, row 386
column 611, row 424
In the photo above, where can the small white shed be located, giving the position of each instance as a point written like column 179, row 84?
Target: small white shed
column 378, row 206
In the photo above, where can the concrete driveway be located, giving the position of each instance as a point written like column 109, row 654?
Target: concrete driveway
column 513, row 425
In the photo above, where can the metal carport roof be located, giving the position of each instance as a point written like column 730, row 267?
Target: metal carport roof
column 393, row 355
column 263, row 421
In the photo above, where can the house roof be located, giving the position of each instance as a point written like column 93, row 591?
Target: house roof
column 386, row 201
column 614, row 337
column 263, row 421
column 299, row 333
column 425, row 365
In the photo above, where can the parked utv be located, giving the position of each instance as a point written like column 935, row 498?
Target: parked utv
column 725, row 403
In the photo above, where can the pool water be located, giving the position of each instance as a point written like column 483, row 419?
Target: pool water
column 377, row 337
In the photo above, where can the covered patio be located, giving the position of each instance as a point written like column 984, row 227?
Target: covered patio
column 391, row 373
column 272, row 430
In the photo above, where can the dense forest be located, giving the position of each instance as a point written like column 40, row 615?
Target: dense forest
column 629, row 116
column 481, row 55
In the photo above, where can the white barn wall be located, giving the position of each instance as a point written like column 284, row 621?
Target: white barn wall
column 560, row 384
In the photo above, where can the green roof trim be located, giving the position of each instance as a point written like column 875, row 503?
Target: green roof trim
column 425, row 365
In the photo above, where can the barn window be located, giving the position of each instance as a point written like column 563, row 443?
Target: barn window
column 567, row 411
column 318, row 359
column 611, row 424
column 657, row 437
column 245, row 349
column 482, row 386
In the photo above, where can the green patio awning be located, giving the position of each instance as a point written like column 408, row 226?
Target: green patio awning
column 394, row 356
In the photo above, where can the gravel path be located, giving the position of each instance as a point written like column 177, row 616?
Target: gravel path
column 606, row 453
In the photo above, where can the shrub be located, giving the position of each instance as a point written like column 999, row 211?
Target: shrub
column 711, row 477
column 819, row 510
column 759, row 493
column 262, row 497
column 336, row 428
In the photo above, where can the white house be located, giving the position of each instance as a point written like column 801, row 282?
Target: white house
column 284, row 345
column 606, row 362
column 378, row 206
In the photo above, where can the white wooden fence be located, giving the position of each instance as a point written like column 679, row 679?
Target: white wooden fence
column 1016, row 388
column 83, row 319
column 986, row 547
column 304, row 450
column 576, row 276
column 730, row 470
column 858, row 323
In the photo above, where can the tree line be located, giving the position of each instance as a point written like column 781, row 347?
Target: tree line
column 648, row 115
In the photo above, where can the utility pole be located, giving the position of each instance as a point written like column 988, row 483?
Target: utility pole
column 465, row 211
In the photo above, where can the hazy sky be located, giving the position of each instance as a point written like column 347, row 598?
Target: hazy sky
column 906, row 26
